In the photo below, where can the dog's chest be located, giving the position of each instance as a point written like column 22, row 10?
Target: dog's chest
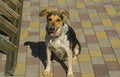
column 59, row 46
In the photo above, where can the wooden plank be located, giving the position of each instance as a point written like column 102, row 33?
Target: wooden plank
column 8, row 25
column 9, row 10
column 10, row 49
column 17, row 3
column 4, row 30
column 6, row 46
column 3, row 12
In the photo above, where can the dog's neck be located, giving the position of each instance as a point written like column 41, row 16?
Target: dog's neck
column 62, row 30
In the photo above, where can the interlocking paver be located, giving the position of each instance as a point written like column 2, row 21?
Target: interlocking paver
column 20, row 69
column 100, row 70
column 115, row 43
column 104, row 43
column 97, row 60
column 84, row 67
column 114, row 73
column 101, row 35
column 88, row 75
column 97, row 26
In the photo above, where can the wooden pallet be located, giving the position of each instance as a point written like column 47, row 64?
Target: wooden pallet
column 10, row 23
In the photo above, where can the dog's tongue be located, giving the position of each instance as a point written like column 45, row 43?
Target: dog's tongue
column 52, row 34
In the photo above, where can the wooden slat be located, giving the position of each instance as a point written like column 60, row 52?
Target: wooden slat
column 9, row 10
column 6, row 46
column 8, row 25
column 6, row 31
column 16, row 2
column 3, row 12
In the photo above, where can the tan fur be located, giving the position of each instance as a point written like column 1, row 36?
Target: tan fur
column 54, row 19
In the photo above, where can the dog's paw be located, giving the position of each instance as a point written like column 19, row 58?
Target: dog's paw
column 46, row 72
column 70, row 75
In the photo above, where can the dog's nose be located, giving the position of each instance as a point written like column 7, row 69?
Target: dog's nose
column 52, row 29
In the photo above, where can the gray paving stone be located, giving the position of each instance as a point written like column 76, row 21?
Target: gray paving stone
column 89, row 31
column 117, row 53
column 95, row 20
column 34, row 72
column 104, row 43
column 98, row 28
column 86, row 67
column 97, row 60
column 93, row 46
column 114, row 73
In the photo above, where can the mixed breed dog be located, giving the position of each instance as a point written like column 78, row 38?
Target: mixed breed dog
column 60, row 39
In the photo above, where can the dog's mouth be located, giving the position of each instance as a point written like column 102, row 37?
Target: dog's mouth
column 52, row 34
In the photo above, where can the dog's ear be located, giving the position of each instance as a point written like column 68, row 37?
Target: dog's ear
column 64, row 13
column 44, row 12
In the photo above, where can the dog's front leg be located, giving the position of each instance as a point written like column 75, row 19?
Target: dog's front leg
column 70, row 72
column 47, row 70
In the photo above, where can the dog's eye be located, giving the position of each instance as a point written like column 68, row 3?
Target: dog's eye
column 58, row 20
column 49, row 19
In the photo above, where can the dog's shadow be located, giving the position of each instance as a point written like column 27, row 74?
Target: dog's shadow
column 39, row 50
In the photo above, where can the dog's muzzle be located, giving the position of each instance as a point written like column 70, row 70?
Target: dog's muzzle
column 51, row 30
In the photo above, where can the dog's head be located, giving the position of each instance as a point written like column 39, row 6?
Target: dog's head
column 55, row 19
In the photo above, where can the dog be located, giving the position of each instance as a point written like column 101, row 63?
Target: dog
column 60, row 39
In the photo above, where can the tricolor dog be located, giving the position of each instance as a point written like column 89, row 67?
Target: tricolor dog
column 60, row 39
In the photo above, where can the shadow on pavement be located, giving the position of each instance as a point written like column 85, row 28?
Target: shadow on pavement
column 39, row 50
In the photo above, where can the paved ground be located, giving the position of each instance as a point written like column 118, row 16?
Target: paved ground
column 97, row 25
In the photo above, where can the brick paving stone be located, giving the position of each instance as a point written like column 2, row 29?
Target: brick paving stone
column 97, row 26
column 115, row 43
column 103, row 15
column 84, row 57
column 22, row 48
column 101, row 35
column 2, row 66
column 95, row 53
column 106, row 22
column 76, row 74
column 84, row 50
column 84, row 16
column 100, row 70
column 97, row 60
column 32, row 61
column 95, row 20
column 22, row 59
column 117, row 52
column 91, row 39
column 113, row 66
column 20, row 69
column 93, row 46
column 104, row 43
column 34, row 72
column 58, row 71
column 86, row 67
column 107, row 50
column 76, row 68
column 88, row 75
column 114, row 73
column 111, row 33
column 82, row 11
column 89, row 31
column 86, row 24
